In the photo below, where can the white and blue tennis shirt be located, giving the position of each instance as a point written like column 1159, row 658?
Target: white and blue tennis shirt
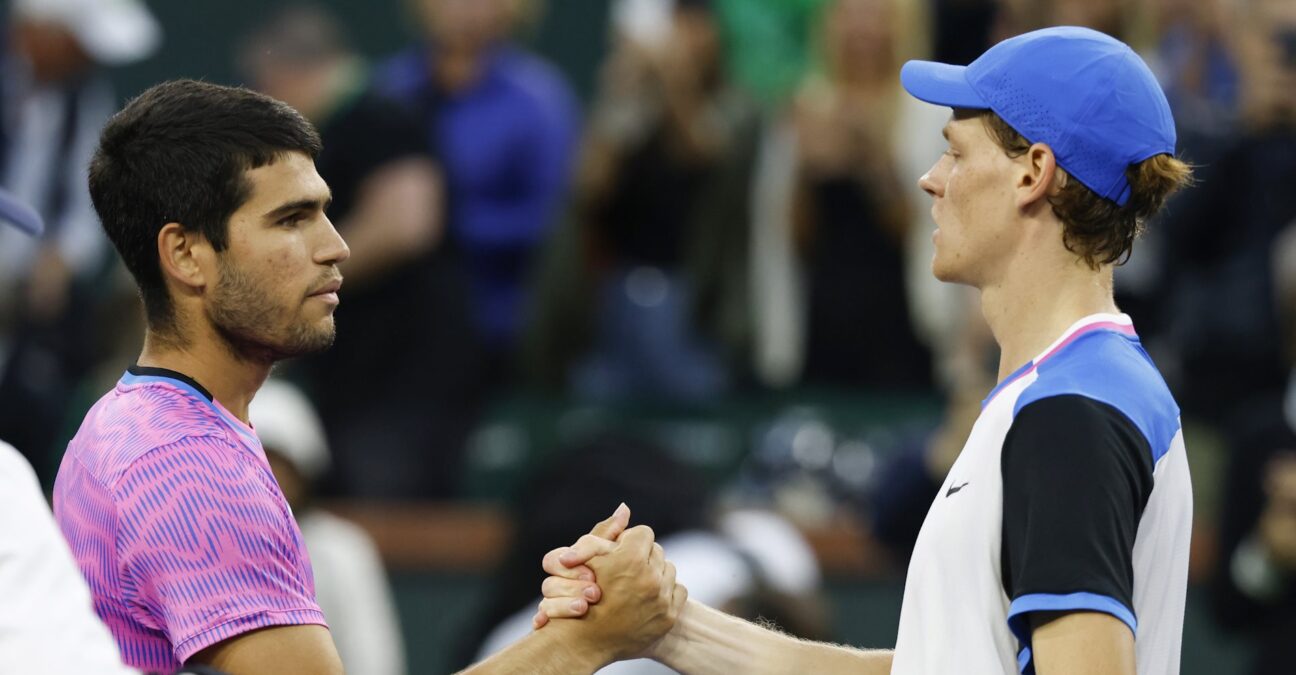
column 1072, row 493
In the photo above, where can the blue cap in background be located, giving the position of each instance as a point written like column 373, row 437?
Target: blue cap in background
column 1085, row 94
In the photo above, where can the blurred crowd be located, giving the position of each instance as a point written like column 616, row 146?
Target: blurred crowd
column 731, row 212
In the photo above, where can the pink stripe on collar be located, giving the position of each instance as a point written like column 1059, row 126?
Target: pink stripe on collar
column 1114, row 326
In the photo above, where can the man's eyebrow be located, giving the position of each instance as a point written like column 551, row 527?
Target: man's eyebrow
column 300, row 205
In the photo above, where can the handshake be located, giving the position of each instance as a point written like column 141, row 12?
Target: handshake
column 612, row 596
column 614, row 590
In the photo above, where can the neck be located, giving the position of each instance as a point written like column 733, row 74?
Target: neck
column 1034, row 304
column 231, row 378
column 457, row 68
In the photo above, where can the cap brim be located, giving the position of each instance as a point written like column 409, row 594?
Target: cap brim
column 19, row 214
column 940, row 84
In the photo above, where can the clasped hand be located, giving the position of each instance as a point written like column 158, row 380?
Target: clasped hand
column 620, row 581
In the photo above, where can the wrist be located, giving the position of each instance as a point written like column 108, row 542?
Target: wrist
column 577, row 649
column 673, row 642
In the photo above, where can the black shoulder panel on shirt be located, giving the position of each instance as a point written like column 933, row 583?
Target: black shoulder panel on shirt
column 1077, row 474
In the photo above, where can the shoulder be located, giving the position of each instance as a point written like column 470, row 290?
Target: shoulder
column 134, row 420
column 1112, row 369
column 534, row 80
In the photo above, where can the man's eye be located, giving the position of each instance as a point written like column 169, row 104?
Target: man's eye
column 291, row 221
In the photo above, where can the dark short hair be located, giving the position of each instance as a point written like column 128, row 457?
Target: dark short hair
column 179, row 153
column 1097, row 229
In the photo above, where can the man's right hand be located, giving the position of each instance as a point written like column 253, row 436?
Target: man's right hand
column 636, row 600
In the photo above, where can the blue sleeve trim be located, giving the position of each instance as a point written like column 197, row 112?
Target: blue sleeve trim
column 1042, row 602
column 1023, row 659
column 1112, row 369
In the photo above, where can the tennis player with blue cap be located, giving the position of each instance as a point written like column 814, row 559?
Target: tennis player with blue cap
column 1059, row 543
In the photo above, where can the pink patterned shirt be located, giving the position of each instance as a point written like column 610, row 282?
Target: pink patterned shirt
column 175, row 520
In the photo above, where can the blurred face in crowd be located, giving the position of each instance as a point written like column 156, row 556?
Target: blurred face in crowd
column 53, row 53
column 307, row 87
column 972, row 204
column 296, row 58
column 1267, row 53
column 277, row 280
column 465, row 25
column 695, row 35
column 858, row 37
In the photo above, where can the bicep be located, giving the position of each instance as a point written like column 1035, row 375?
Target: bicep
column 279, row 650
column 1077, row 475
column 1082, row 643
column 207, row 548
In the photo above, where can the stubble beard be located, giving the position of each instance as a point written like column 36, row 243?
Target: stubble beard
column 245, row 320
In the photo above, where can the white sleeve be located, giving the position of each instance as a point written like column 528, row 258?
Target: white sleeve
column 47, row 622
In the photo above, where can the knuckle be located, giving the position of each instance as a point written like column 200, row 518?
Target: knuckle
column 550, row 587
column 550, row 560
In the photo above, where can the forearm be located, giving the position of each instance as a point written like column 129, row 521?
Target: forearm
column 554, row 650
column 707, row 641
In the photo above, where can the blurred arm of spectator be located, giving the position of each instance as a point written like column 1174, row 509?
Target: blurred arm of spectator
column 1277, row 528
column 1265, row 41
column 398, row 216
column 840, row 134
column 668, row 83
column 388, row 191
column 911, row 480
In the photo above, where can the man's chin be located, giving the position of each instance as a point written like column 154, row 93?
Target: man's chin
column 944, row 274
column 306, row 344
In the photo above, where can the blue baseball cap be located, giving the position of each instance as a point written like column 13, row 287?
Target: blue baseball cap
column 18, row 214
column 1085, row 94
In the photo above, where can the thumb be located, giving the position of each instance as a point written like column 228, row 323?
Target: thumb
column 612, row 528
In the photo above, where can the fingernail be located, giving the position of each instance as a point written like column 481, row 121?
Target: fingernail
column 578, row 605
column 591, row 593
column 586, row 576
column 621, row 510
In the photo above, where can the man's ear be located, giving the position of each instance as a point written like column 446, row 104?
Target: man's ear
column 1039, row 177
column 183, row 254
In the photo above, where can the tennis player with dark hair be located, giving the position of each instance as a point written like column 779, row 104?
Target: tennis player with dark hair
column 211, row 196
column 1059, row 543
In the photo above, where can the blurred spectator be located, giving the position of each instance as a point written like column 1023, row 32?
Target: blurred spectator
column 55, row 99
column 1196, row 65
column 505, row 123
column 395, row 431
column 1255, row 586
column 661, row 206
column 350, row 582
column 852, row 216
column 1219, row 294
